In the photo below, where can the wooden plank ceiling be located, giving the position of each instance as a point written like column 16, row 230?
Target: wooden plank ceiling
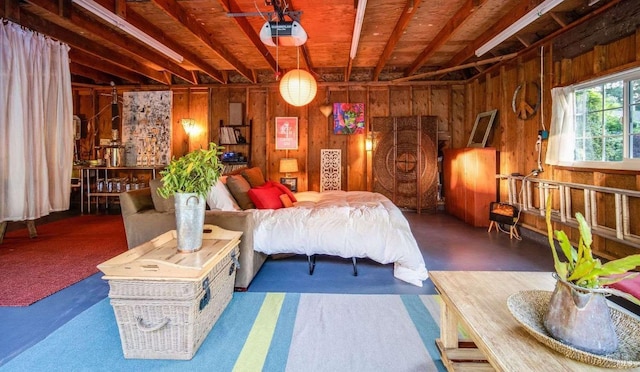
column 220, row 44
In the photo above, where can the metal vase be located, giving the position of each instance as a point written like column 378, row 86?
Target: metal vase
column 580, row 318
column 189, row 221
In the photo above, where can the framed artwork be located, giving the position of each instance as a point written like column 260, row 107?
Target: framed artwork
column 482, row 128
column 290, row 182
column 286, row 133
column 348, row 118
column 146, row 127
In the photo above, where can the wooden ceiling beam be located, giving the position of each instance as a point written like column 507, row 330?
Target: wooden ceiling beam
column 476, row 65
column 91, row 62
column 552, row 36
column 445, row 33
column 99, row 77
column 129, row 44
column 347, row 70
column 305, row 51
column 153, row 31
column 231, row 6
column 558, row 18
column 523, row 7
column 175, row 11
column 43, row 26
column 407, row 14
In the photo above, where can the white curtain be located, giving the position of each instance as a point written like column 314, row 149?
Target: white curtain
column 36, row 124
column 561, row 136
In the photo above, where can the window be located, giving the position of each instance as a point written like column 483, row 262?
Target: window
column 603, row 129
column 598, row 122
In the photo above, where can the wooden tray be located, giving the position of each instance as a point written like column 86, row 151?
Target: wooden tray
column 160, row 258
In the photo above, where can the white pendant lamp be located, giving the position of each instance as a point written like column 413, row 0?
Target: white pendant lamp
column 298, row 87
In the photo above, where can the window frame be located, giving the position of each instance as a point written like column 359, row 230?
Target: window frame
column 627, row 163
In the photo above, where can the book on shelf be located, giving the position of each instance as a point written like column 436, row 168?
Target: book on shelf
column 228, row 168
column 228, row 136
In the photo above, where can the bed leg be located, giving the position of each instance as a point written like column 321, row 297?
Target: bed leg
column 312, row 263
column 355, row 267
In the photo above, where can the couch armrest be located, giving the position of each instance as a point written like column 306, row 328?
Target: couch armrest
column 250, row 260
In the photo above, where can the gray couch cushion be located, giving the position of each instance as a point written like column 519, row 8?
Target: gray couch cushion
column 239, row 188
column 161, row 204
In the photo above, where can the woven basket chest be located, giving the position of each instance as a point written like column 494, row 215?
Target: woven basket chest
column 166, row 302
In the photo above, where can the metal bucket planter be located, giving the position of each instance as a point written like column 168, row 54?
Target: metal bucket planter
column 189, row 221
column 580, row 318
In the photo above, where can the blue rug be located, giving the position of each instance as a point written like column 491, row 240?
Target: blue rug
column 265, row 332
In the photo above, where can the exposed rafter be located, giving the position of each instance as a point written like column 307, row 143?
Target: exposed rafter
column 231, row 6
column 522, row 8
column 173, row 9
column 74, row 40
column 445, row 33
column 94, row 63
column 153, row 31
column 407, row 14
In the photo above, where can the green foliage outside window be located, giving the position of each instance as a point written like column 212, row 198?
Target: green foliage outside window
column 599, row 122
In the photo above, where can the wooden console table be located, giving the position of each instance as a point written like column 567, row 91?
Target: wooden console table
column 477, row 300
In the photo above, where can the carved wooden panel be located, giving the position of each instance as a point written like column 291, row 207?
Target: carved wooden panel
column 330, row 169
column 405, row 161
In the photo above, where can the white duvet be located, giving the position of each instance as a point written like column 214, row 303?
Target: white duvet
column 346, row 224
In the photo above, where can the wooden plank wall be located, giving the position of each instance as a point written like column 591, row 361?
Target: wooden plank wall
column 209, row 106
column 455, row 105
column 515, row 138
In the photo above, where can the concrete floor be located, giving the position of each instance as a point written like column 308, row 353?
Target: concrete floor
column 446, row 244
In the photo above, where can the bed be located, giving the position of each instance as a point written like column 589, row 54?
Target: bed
column 346, row 224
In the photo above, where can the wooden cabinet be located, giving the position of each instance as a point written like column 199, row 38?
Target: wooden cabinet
column 405, row 167
column 470, row 184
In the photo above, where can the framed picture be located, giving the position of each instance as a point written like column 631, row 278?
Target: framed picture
column 290, row 182
column 348, row 118
column 482, row 128
column 286, row 133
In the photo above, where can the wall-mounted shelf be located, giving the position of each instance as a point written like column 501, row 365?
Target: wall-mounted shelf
column 235, row 139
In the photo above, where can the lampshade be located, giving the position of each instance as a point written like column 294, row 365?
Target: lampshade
column 188, row 124
column 298, row 87
column 288, row 165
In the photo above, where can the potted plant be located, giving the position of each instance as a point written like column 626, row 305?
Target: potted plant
column 189, row 178
column 578, row 314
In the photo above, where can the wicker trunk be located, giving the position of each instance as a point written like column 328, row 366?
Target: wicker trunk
column 166, row 302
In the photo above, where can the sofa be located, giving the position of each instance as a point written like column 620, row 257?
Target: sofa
column 144, row 220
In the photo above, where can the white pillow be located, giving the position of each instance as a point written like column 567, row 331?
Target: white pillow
column 220, row 198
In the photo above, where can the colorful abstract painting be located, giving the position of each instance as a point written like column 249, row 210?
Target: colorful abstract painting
column 348, row 118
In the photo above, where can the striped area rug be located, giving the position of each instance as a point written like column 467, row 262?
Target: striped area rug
column 266, row 332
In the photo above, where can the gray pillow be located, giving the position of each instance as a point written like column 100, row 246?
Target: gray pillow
column 239, row 188
column 161, row 204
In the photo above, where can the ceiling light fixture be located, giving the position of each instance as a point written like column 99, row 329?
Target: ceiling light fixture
column 357, row 28
column 518, row 25
column 298, row 87
column 127, row 27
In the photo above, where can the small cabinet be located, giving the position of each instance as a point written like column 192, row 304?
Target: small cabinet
column 470, row 183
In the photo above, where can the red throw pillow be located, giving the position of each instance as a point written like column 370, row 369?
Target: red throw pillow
column 266, row 197
column 284, row 189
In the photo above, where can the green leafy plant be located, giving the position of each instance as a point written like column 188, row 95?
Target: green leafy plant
column 581, row 268
column 195, row 172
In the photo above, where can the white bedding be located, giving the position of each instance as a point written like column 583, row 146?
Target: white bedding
column 345, row 224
